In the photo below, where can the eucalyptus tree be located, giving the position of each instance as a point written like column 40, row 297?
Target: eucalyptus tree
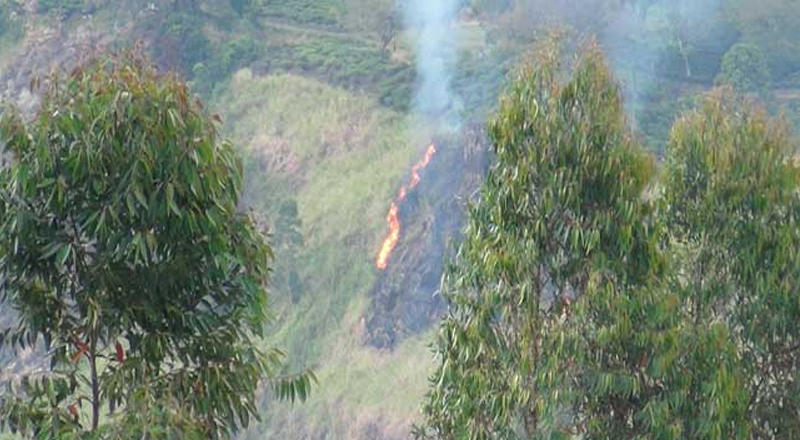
column 662, row 360
column 126, row 259
column 562, row 215
column 731, row 197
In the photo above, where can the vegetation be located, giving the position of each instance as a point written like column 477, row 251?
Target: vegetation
column 315, row 96
column 124, row 254
column 744, row 67
column 62, row 7
column 348, row 65
column 321, row 12
column 731, row 203
column 559, row 215
column 286, row 123
column 9, row 19
column 589, row 300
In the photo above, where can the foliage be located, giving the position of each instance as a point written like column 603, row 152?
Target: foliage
column 319, row 12
column 559, row 215
column 732, row 204
column 550, row 331
column 586, row 302
column 289, row 242
column 221, row 61
column 185, row 31
column 243, row 7
column 660, row 106
column 348, row 64
column 123, row 252
column 773, row 25
column 10, row 19
column 744, row 67
column 64, row 7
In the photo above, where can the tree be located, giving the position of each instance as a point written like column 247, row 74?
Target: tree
column 561, row 216
column 589, row 300
column 662, row 360
column 744, row 67
column 773, row 25
column 732, row 205
column 124, row 255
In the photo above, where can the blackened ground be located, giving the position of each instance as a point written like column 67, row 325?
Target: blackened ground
column 405, row 299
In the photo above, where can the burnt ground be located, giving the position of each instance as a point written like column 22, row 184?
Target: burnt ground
column 405, row 299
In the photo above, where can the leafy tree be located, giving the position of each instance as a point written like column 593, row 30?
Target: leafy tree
column 732, row 205
column 662, row 360
column 650, row 364
column 124, row 255
column 744, row 67
column 696, row 36
column 587, row 302
column 561, row 215
column 226, row 59
column 773, row 25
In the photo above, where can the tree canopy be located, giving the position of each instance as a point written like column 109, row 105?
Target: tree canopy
column 126, row 257
column 592, row 299
column 731, row 203
column 561, row 213
column 744, row 67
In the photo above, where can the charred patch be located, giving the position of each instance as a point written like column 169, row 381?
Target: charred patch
column 405, row 299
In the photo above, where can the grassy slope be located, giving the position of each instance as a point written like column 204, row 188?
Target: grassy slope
column 349, row 156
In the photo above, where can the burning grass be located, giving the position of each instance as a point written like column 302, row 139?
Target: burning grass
column 393, row 217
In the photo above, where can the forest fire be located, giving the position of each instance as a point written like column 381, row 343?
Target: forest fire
column 393, row 217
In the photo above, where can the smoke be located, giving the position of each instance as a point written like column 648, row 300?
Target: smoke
column 434, row 22
column 657, row 45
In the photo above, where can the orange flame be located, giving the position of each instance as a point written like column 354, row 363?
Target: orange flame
column 393, row 217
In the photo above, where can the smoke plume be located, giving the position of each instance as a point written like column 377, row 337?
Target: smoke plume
column 434, row 22
column 652, row 42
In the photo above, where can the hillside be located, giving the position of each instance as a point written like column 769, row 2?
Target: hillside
column 319, row 98
column 319, row 112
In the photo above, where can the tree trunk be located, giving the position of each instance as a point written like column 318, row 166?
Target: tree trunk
column 95, row 385
column 685, row 55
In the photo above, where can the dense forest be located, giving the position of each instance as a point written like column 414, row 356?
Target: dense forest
column 394, row 219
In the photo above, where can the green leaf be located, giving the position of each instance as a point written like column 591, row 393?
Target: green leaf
column 137, row 191
column 62, row 255
column 171, row 200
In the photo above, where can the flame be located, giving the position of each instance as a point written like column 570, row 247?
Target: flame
column 393, row 217
column 389, row 244
column 421, row 166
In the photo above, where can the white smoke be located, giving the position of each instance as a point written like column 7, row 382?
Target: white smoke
column 667, row 26
column 434, row 23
